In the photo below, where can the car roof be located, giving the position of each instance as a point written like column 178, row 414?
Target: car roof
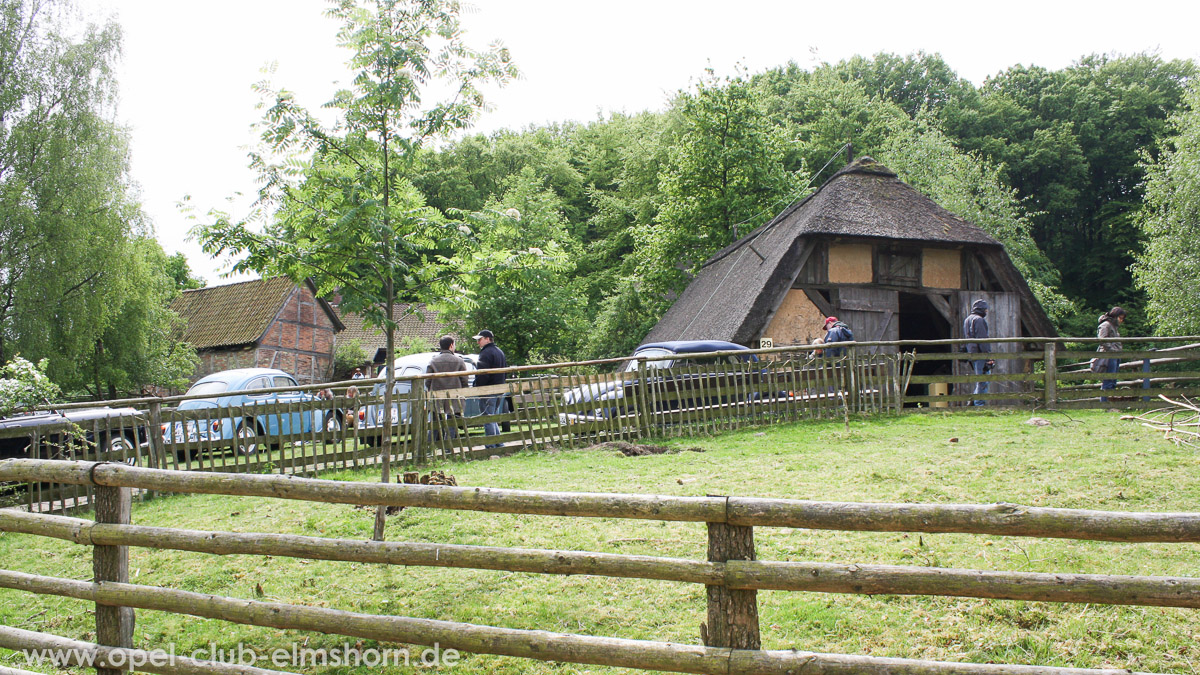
column 422, row 359
column 239, row 375
column 693, row 346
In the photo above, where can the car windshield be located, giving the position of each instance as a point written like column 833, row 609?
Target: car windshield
column 665, row 363
column 208, row 388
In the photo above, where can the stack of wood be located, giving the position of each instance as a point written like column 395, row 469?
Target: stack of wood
column 431, row 478
column 1179, row 422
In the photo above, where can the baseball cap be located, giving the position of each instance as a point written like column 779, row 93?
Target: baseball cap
column 485, row 333
column 830, row 320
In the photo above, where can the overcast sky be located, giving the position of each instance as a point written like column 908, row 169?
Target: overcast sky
column 188, row 67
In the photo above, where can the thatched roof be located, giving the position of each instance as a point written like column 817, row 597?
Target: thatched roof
column 236, row 314
column 739, row 286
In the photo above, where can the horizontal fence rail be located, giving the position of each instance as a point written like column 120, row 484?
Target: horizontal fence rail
column 730, row 578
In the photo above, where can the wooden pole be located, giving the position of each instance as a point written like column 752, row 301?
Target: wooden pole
column 114, row 625
column 732, row 614
column 1051, row 362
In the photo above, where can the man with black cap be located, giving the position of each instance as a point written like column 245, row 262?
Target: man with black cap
column 975, row 327
column 490, row 356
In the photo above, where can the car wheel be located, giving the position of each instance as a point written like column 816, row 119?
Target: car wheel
column 333, row 421
column 121, row 446
column 248, row 441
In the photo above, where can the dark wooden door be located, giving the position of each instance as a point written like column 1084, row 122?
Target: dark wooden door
column 1004, row 320
column 871, row 315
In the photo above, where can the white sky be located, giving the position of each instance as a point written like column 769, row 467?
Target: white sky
column 188, row 68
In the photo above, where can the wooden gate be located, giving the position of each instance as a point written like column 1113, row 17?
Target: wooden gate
column 871, row 314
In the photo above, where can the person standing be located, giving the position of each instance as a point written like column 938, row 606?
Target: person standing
column 836, row 331
column 975, row 327
column 358, row 374
column 446, row 361
column 490, row 356
column 1110, row 325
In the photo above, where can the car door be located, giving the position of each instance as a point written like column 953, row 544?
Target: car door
column 269, row 422
column 297, row 421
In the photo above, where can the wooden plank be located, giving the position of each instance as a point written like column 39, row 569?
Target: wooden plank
column 114, row 624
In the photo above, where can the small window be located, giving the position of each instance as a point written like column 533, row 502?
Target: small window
column 257, row 383
column 897, row 266
column 283, row 381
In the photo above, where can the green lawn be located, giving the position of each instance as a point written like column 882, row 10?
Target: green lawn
column 1085, row 460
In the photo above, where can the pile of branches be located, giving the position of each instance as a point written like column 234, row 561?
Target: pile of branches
column 1179, row 422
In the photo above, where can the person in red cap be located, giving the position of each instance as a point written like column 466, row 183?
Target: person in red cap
column 836, row 331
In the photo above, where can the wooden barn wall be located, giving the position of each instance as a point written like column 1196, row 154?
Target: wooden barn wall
column 1004, row 320
column 851, row 263
column 796, row 322
column 870, row 313
column 941, row 268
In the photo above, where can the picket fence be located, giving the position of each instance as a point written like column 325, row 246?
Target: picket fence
column 335, row 426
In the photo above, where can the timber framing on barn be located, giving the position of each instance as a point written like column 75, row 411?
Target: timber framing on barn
column 264, row 323
column 869, row 249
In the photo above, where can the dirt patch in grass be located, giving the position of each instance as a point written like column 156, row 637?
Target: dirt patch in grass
column 639, row 450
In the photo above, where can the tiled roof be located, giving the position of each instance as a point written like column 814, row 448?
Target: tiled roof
column 415, row 320
column 233, row 314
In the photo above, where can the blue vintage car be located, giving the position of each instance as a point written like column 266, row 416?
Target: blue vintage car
column 233, row 421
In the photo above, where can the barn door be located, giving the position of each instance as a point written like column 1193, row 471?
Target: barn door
column 871, row 314
column 1004, row 320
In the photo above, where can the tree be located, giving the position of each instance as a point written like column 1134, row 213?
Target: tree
column 1168, row 269
column 541, row 317
column 72, row 236
column 723, row 177
column 337, row 204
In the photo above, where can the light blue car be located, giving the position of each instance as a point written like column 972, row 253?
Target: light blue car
column 234, row 422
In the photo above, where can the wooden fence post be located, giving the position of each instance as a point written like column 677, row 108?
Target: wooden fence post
column 732, row 614
column 643, row 401
column 1051, row 363
column 114, row 625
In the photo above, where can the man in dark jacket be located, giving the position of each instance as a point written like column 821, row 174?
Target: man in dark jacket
column 490, row 356
column 975, row 327
column 836, row 331
column 447, row 361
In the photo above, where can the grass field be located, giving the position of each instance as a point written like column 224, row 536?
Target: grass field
column 1085, row 460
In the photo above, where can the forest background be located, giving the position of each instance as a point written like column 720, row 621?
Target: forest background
column 1087, row 174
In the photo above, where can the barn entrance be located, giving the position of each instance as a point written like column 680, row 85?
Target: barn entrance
column 921, row 320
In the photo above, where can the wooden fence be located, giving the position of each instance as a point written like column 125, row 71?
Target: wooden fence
column 732, row 574
column 337, row 426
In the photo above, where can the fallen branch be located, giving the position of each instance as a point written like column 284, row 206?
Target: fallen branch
column 1179, row 422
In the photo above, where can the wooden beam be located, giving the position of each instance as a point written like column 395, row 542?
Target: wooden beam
column 942, row 305
column 819, row 300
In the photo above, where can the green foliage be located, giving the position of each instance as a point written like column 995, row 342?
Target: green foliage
column 77, row 284
column 1168, row 269
column 531, row 305
column 724, row 175
column 348, row 356
column 1069, row 142
column 180, row 272
column 25, row 385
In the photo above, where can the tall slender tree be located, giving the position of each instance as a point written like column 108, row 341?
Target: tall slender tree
column 337, row 203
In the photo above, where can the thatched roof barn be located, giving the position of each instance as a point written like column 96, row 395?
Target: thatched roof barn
column 866, row 248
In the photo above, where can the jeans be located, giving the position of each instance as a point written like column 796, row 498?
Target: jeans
column 492, row 405
column 1111, row 366
column 980, row 387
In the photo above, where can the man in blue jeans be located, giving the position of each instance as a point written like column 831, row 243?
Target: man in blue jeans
column 490, row 356
column 975, row 327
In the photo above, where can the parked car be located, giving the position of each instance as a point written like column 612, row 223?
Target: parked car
column 108, row 433
column 610, row 396
column 406, row 366
column 235, row 424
